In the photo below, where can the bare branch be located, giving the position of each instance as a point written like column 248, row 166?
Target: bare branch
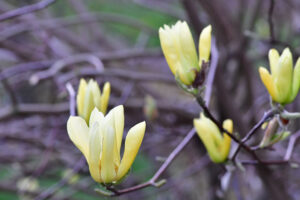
column 26, row 9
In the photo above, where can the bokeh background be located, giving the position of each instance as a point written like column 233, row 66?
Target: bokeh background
column 117, row 41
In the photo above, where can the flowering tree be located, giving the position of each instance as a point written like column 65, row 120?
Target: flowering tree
column 68, row 84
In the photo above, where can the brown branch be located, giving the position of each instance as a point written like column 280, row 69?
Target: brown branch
column 26, row 9
column 265, row 118
column 153, row 181
column 270, row 20
column 284, row 161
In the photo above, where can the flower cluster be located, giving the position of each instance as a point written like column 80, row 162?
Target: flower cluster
column 99, row 137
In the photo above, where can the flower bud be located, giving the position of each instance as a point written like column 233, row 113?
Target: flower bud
column 180, row 52
column 284, row 82
column 89, row 96
column 216, row 144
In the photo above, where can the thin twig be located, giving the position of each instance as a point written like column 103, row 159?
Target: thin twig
column 270, row 20
column 219, row 125
column 72, row 94
column 291, row 146
column 60, row 64
column 161, row 170
column 54, row 188
column 265, row 118
column 212, row 71
column 26, row 9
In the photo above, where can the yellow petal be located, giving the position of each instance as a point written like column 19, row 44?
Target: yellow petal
column 187, row 77
column 108, row 171
column 88, row 104
column 186, row 49
column 96, row 116
column 267, row 79
column 95, row 148
column 204, row 45
column 81, row 96
column 105, row 97
column 296, row 81
column 119, row 125
column 273, row 60
column 133, row 142
column 79, row 133
column 96, row 94
column 111, row 119
column 213, row 129
column 206, row 136
column 168, row 43
column 225, row 147
column 283, row 81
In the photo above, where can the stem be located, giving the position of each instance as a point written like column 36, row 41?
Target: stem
column 265, row 118
column 289, row 115
column 209, row 115
column 153, row 181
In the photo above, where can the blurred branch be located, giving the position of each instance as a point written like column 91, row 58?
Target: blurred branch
column 285, row 160
column 160, row 6
column 80, row 19
column 270, row 20
column 118, row 55
column 192, row 13
column 72, row 96
column 60, row 64
column 26, row 9
column 267, row 116
column 48, row 193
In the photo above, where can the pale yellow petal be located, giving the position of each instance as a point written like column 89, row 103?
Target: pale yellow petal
column 81, row 96
column 108, row 171
column 105, row 97
column 225, row 148
column 273, row 60
column 79, row 133
column 88, row 102
column 204, row 45
column 206, row 136
column 186, row 49
column 168, row 45
column 296, row 81
column 119, row 125
column 95, row 148
column 96, row 116
column 96, row 94
column 187, row 77
column 267, row 79
column 133, row 142
column 213, row 129
column 283, row 81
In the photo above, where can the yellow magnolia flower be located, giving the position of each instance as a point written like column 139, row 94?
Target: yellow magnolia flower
column 284, row 82
column 100, row 142
column 89, row 96
column 216, row 144
column 179, row 49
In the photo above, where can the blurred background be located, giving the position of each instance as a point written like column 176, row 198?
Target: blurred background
column 117, row 41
